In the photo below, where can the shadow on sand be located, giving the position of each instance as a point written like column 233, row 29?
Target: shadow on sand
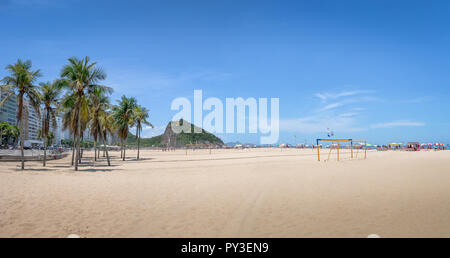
column 140, row 159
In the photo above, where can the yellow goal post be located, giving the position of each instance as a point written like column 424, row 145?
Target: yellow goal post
column 338, row 143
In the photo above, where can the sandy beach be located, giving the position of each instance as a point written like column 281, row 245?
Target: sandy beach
column 230, row 193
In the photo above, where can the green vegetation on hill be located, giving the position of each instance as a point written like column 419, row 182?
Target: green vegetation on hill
column 182, row 138
column 203, row 137
column 145, row 142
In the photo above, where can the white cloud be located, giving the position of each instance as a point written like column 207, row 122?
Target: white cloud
column 141, row 81
column 349, row 101
column 319, row 124
column 419, row 99
column 397, row 123
column 22, row 3
column 327, row 95
column 350, row 114
column 148, row 132
column 332, row 106
column 337, row 115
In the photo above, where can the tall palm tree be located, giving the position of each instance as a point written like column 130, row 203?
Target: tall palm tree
column 109, row 127
column 140, row 116
column 123, row 117
column 81, row 77
column 21, row 82
column 49, row 98
column 99, row 103
column 67, row 107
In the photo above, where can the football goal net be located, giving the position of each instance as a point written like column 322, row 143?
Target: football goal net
column 340, row 149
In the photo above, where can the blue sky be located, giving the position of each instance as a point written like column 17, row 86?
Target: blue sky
column 375, row 70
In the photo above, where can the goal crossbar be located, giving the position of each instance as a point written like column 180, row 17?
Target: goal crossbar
column 351, row 141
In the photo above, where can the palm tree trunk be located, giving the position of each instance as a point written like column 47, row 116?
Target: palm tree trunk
column 77, row 158
column 22, row 154
column 121, row 148
column 124, row 148
column 95, row 150
column 73, row 148
column 45, row 150
column 104, row 135
column 81, row 148
column 46, row 121
column 21, row 130
column 105, row 148
column 139, row 137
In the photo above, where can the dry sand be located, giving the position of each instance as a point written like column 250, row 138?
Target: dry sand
column 230, row 193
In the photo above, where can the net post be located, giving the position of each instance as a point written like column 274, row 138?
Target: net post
column 318, row 152
column 351, row 149
column 365, row 149
column 337, row 151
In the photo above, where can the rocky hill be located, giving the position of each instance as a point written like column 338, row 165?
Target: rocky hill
column 172, row 139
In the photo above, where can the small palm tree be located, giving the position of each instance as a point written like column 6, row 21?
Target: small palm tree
column 140, row 117
column 81, row 77
column 21, row 82
column 49, row 139
column 108, row 127
column 123, row 117
column 3, row 131
column 49, row 97
column 8, row 131
column 67, row 107
column 99, row 103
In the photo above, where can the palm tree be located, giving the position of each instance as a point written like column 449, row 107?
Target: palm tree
column 99, row 103
column 21, row 82
column 8, row 131
column 49, row 97
column 140, row 117
column 109, row 127
column 3, row 132
column 67, row 106
column 50, row 136
column 81, row 77
column 123, row 117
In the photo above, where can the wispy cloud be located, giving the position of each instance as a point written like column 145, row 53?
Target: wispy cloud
column 398, row 123
column 148, row 132
column 419, row 99
column 348, row 101
column 320, row 123
column 143, row 81
column 337, row 113
column 350, row 114
column 324, row 96
column 31, row 2
column 331, row 106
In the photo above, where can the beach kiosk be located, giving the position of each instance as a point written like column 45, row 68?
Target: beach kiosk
column 395, row 145
column 412, row 146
